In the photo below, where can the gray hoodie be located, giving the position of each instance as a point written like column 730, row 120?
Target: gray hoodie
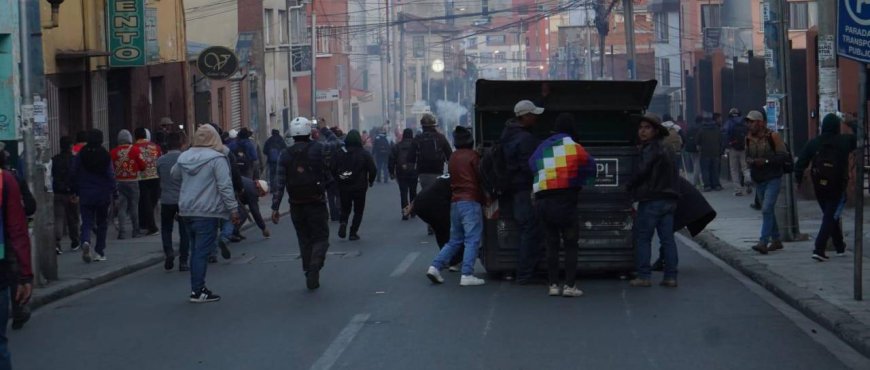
column 169, row 186
column 206, row 188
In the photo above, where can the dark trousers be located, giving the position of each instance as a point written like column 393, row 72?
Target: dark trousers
column 408, row 190
column 830, row 225
column 312, row 230
column 5, row 298
column 149, row 194
column 66, row 213
column 710, row 168
column 253, row 207
column 168, row 215
column 333, row 200
column 529, row 243
column 356, row 201
column 273, row 172
column 383, row 169
column 95, row 214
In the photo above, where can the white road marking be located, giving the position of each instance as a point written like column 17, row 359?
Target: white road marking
column 405, row 264
column 341, row 342
column 837, row 347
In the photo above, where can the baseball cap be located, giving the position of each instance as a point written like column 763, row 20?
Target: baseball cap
column 734, row 112
column 754, row 115
column 525, row 107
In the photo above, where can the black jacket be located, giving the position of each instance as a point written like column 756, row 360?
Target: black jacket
column 410, row 170
column 362, row 165
column 273, row 147
column 693, row 211
column 655, row 176
column 518, row 144
column 843, row 143
column 442, row 145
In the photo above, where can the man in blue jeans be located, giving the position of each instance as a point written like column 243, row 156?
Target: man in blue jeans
column 765, row 157
column 654, row 186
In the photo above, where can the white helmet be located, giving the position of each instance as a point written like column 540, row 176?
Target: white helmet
column 300, row 126
column 234, row 133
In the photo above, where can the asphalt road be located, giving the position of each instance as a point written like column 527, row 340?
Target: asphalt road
column 377, row 310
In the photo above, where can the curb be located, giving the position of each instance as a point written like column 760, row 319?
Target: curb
column 831, row 317
column 71, row 288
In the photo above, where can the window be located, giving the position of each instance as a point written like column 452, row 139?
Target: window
column 798, row 18
column 661, row 26
column 501, row 57
column 486, row 57
column 323, row 37
column 495, row 40
column 419, row 45
column 471, row 42
column 665, row 71
column 268, row 26
column 711, row 15
column 282, row 27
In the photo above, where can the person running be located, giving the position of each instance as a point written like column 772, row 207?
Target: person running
column 245, row 151
column 403, row 170
column 272, row 152
column 766, row 155
column 355, row 172
column 206, row 197
column 66, row 207
column 170, row 190
column 654, row 185
column 466, row 212
column 149, row 181
column 561, row 167
column 94, row 185
column 302, row 173
column 128, row 163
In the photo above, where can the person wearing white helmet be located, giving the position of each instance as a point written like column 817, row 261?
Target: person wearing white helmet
column 302, row 174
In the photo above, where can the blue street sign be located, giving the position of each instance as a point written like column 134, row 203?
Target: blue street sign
column 853, row 30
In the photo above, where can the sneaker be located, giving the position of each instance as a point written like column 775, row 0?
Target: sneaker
column 353, row 236
column 58, row 251
column 553, row 291
column 312, row 279
column 342, row 230
column 471, row 280
column 760, row 248
column 455, row 268
column 775, row 246
column 642, row 283
column 169, row 263
column 154, row 232
column 841, row 253
column 75, row 246
column 225, row 251
column 86, row 252
column 267, row 234
column 820, row 256
column 204, row 296
column 434, row 275
column 571, row 291
column 99, row 257
column 669, row 283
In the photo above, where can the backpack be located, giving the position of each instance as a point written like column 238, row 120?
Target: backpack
column 60, row 173
column 828, row 172
column 302, row 183
column 403, row 165
column 788, row 163
column 429, row 150
column 494, row 171
column 382, row 146
column 348, row 167
column 243, row 162
column 737, row 136
column 673, row 143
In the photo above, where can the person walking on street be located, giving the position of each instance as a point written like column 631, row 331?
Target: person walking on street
column 149, row 181
column 561, row 167
column 94, row 184
column 828, row 157
column 128, row 165
column 382, row 151
column 331, row 147
column 709, row 143
column 66, row 207
column 518, row 144
column 272, row 152
column 16, row 273
column 245, row 152
column 170, row 190
column 302, row 173
column 765, row 156
column 735, row 131
column 355, row 172
column 430, row 151
column 205, row 199
column 403, row 170
column 466, row 211
column 654, row 185
column 691, row 150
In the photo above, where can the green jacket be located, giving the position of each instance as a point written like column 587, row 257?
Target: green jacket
column 831, row 132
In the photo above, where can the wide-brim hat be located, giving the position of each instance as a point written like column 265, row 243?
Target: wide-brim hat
column 656, row 122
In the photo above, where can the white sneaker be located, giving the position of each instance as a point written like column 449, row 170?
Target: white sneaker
column 571, row 291
column 469, row 280
column 434, row 275
column 554, row 290
column 99, row 257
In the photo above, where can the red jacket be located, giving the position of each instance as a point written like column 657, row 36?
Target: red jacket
column 150, row 153
column 128, row 162
column 16, row 236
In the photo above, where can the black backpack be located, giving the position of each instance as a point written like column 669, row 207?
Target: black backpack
column 61, row 180
column 303, row 184
column 737, row 136
column 494, row 171
column 382, row 146
column 829, row 171
column 348, row 167
column 243, row 162
column 403, row 164
column 429, row 152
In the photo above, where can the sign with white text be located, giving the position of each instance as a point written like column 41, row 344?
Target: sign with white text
column 126, row 27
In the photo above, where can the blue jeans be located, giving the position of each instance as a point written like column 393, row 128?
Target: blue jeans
column 710, row 170
column 98, row 214
column 656, row 216
column 227, row 229
column 530, row 235
column 5, row 358
column 466, row 228
column 202, row 232
column 769, row 191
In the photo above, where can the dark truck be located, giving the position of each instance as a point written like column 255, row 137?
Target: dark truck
column 607, row 114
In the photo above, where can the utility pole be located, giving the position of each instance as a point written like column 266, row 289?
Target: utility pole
column 778, row 89
column 389, row 69
column 628, row 13
column 828, row 84
column 289, row 25
column 313, row 62
column 858, row 289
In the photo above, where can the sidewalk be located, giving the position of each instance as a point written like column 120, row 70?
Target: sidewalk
column 124, row 257
column 820, row 290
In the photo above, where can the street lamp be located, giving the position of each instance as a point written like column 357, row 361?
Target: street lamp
column 437, row 66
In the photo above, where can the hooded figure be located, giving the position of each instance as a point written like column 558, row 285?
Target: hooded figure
column 94, row 184
column 128, row 165
column 405, row 171
column 355, row 171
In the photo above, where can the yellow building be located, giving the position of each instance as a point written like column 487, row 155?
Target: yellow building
column 118, row 74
